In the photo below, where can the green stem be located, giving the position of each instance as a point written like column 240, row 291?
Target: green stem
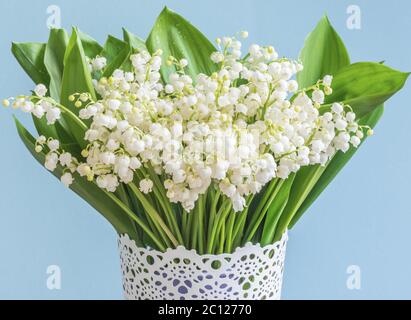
column 188, row 228
column 165, row 202
column 239, row 231
column 264, row 211
column 194, row 227
column 223, row 212
column 213, row 212
column 222, row 239
column 124, row 197
column 169, row 215
column 153, row 214
column 156, row 206
column 257, row 213
column 230, row 227
column 184, row 222
column 242, row 217
column 137, row 220
column 200, row 213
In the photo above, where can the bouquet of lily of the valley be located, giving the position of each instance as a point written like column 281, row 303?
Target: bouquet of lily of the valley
column 184, row 145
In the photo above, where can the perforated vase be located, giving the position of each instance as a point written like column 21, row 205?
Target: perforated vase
column 250, row 273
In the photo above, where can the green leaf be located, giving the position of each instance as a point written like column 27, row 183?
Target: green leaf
column 30, row 57
column 323, row 54
column 112, row 48
column 45, row 129
column 304, row 182
column 117, row 53
column 135, row 42
column 54, row 60
column 176, row 37
column 274, row 213
column 365, row 86
column 76, row 79
column 76, row 75
column 334, row 167
column 91, row 47
column 86, row 190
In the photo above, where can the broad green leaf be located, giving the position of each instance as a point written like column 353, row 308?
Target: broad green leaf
column 176, row 37
column 31, row 58
column 323, row 54
column 86, row 190
column 76, row 79
column 303, row 183
column 120, row 62
column 54, row 60
column 91, row 47
column 274, row 213
column 124, row 196
column 45, row 129
column 112, row 48
column 365, row 86
column 135, row 42
column 76, row 75
column 73, row 137
column 334, row 167
column 117, row 53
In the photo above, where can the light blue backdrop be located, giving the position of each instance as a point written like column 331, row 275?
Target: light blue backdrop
column 362, row 219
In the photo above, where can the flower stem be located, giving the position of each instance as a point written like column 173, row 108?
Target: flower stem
column 222, row 239
column 266, row 205
column 154, row 215
column 165, row 203
column 257, row 212
column 133, row 216
column 230, row 227
column 222, row 214
column 213, row 211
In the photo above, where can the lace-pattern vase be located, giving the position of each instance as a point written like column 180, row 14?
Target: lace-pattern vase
column 250, row 273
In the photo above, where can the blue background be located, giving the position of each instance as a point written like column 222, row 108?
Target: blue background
column 362, row 219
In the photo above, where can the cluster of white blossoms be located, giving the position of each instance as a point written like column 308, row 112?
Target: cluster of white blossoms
column 97, row 64
column 236, row 129
column 39, row 106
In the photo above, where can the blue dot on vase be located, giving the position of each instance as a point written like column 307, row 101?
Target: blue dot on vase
column 182, row 290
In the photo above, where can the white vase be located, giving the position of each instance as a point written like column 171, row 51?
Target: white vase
column 250, row 273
